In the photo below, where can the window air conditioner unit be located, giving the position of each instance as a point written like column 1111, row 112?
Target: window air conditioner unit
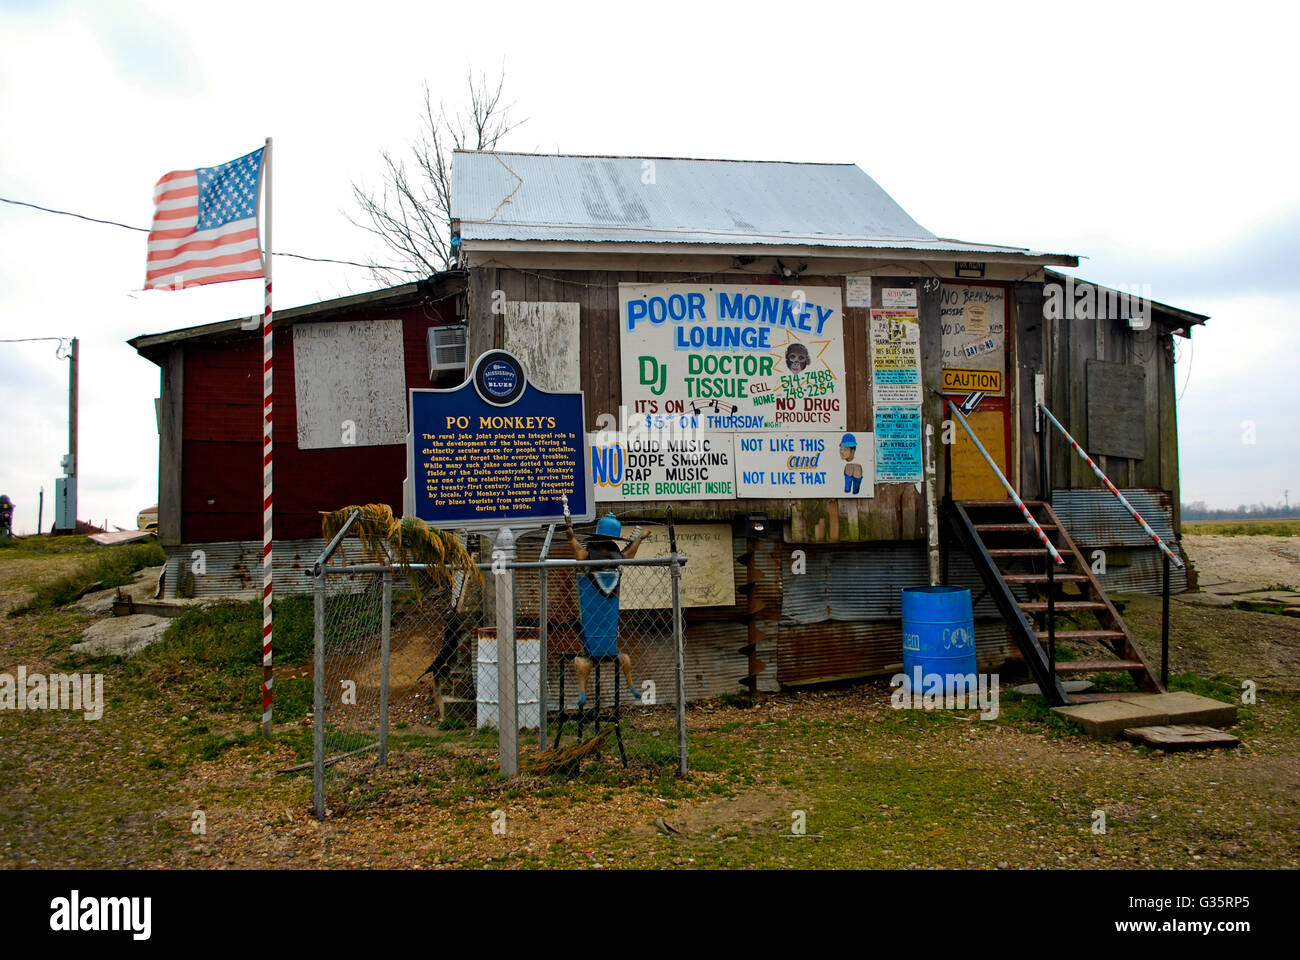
column 446, row 348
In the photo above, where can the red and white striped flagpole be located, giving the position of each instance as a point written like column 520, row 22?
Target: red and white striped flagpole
column 268, row 588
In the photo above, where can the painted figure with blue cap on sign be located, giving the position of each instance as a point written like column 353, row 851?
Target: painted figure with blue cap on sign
column 852, row 471
column 598, row 597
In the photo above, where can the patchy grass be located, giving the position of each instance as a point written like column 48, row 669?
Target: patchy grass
column 212, row 655
column 874, row 786
column 1243, row 528
column 104, row 568
column 43, row 546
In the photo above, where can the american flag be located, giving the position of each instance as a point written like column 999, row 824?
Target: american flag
column 205, row 225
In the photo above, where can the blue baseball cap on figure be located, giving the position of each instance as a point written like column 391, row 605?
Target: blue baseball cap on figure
column 849, row 440
column 609, row 526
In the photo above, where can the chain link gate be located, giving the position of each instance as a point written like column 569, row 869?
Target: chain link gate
column 394, row 648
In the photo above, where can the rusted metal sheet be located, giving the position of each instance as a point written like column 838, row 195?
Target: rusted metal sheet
column 816, row 653
column 234, row 568
column 1144, row 573
column 865, row 582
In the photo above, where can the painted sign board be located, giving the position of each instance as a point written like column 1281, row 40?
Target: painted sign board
column 898, row 444
column 659, row 465
column 497, row 451
column 966, row 381
column 973, row 323
column 820, row 465
column 745, row 357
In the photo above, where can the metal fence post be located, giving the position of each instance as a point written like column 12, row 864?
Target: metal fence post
column 1164, row 630
column 542, row 636
column 318, row 698
column 385, row 645
column 1051, row 619
column 503, row 552
column 675, row 570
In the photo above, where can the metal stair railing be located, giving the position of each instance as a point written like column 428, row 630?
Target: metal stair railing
column 1048, row 681
column 1169, row 555
column 1006, row 484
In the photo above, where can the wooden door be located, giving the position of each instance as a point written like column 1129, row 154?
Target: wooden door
column 974, row 317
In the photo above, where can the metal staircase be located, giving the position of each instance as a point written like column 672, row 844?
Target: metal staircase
column 1031, row 591
column 1034, row 572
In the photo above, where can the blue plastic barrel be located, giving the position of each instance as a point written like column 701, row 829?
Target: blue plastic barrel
column 938, row 634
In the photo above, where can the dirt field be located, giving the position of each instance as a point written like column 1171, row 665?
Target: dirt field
column 169, row 778
column 1266, row 562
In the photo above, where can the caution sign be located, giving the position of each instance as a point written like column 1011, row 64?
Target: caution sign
column 972, row 381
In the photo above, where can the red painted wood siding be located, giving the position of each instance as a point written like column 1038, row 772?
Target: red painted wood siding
column 221, row 483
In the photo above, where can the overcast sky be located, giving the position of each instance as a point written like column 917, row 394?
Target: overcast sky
column 1158, row 142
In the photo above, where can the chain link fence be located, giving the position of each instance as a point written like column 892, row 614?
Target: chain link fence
column 597, row 653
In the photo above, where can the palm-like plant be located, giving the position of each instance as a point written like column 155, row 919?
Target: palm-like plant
column 404, row 540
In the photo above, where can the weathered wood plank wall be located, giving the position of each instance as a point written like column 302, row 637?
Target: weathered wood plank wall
column 897, row 511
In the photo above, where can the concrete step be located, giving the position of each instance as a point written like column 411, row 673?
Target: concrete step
column 1182, row 737
column 1109, row 718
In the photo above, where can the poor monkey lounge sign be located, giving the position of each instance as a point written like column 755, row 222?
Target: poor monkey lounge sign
column 741, row 357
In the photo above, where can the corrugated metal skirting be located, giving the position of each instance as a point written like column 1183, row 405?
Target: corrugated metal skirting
column 841, row 617
column 1134, row 564
column 234, row 568
column 865, row 582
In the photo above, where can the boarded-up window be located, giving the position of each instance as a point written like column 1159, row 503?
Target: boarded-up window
column 350, row 384
column 1116, row 409
column 545, row 337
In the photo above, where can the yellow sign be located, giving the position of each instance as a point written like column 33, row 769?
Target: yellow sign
column 972, row 381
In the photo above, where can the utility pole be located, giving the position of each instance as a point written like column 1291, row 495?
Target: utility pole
column 65, row 488
column 73, row 393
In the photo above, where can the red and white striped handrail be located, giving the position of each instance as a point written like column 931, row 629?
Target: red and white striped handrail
column 1024, row 511
column 1111, row 487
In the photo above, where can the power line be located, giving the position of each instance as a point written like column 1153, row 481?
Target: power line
column 127, row 226
column 60, row 352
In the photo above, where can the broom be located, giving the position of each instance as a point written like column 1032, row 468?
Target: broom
column 568, row 759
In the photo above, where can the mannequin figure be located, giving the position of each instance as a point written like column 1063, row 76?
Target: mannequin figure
column 598, row 597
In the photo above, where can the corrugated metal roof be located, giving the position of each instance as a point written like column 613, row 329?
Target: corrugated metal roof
column 538, row 197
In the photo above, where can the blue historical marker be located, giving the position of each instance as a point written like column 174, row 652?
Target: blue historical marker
column 497, row 451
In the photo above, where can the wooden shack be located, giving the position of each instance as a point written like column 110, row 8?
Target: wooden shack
column 840, row 330
column 566, row 255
